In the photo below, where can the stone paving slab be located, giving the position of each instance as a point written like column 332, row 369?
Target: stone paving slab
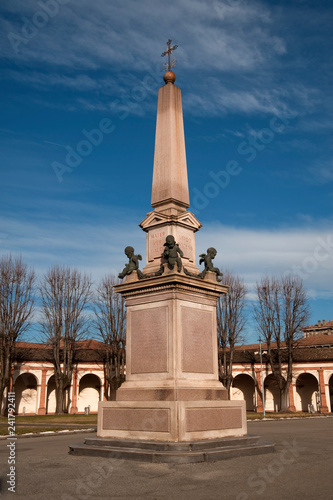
column 300, row 469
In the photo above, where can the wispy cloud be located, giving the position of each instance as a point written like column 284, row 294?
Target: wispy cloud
column 229, row 39
column 253, row 253
column 94, row 38
column 97, row 246
column 322, row 171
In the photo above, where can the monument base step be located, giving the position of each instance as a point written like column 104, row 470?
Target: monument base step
column 172, row 452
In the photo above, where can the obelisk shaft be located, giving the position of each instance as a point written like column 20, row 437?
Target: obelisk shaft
column 170, row 185
column 170, row 194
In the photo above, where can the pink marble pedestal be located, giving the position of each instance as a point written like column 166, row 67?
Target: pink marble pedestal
column 172, row 391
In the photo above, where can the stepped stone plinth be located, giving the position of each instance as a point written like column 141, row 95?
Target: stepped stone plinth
column 209, row 450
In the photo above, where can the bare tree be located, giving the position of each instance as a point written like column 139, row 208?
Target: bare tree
column 230, row 324
column 16, row 308
column 281, row 313
column 65, row 295
column 110, row 322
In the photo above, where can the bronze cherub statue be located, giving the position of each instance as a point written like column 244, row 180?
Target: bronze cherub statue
column 207, row 260
column 171, row 252
column 133, row 263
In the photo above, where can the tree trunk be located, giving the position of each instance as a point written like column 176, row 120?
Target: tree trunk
column 59, row 396
column 4, row 382
column 284, row 398
column 3, row 401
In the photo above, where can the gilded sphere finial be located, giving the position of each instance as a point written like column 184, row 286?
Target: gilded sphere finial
column 169, row 77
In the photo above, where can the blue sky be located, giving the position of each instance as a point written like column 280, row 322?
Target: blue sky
column 256, row 80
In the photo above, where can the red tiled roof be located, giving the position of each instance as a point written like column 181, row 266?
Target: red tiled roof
column 313, row 340
column 250, row 347
column 320, row 325
column 87, row 351
column 318, row 339
column 90, row 344
column 30, row 345
column 82, row 344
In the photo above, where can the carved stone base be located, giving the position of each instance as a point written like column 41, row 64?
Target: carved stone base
column 171, row 421
column 172, row 391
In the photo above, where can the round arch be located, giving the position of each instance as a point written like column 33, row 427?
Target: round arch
column 85, row 374
column 272, row 393
column 89, row 392
column 26, row 373
column 25, row 388
column 243, row 388
column 306, row 392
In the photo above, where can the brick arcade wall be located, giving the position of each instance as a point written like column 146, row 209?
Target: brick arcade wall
column 319, row 376
column 31, row 381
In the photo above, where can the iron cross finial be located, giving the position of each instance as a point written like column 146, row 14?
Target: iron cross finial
column 170, row 64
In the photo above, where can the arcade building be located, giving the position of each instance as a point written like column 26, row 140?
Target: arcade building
column 311, row 389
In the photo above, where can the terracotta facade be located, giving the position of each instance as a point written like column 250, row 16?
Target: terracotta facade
column 312, row 380
column 312, row 383
column 32, row 380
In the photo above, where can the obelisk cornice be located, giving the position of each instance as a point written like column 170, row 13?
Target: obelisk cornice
column 156, row 219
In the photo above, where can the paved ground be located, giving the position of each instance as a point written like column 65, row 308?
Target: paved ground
column 300, row 469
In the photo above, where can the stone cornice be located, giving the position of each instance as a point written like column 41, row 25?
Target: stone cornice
column 157, row 219
column 173, row 281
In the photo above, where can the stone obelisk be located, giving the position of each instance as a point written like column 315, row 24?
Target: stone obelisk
column 170, row 193
column 172, row 391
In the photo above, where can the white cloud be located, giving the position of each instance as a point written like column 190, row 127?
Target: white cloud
column 97, row 246
column 237, row 41
column 92, row 238
column 125, row 34
column 322, row 171
column 253, row 253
